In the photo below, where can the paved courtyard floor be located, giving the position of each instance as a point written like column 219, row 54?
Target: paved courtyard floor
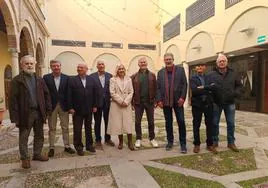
column 146, row 167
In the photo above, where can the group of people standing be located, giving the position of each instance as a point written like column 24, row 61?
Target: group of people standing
column 114, row 97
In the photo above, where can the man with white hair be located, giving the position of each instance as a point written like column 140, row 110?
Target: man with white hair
column 29, row 104
column 229, row 88
column 82, row 103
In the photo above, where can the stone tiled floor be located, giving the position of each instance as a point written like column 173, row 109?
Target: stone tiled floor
column 126, row 166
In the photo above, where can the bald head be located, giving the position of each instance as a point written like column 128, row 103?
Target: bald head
column 82, row 69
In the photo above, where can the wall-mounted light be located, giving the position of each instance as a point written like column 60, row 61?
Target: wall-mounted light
column 197, row 47
column 248, row 31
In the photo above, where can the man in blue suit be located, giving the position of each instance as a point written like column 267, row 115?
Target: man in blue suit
column 57, row 84
column 102, row 80
column 171, row 94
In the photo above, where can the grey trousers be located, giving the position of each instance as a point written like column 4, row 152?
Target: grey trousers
column 64, row 123
column 35, row 122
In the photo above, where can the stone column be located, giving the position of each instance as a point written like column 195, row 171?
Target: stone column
column 15, row 62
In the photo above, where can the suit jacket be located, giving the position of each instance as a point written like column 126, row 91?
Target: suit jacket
column 82, row 99
column 19, row 105
column 201, row 96
column 103, row 93
column 59, row 96
column 151, row 87
column 179, row 87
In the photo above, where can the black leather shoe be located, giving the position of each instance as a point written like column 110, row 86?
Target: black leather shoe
column 169, row 146
column 80, row 152
column 91, row 149
column 69, row 150
column 51, row 153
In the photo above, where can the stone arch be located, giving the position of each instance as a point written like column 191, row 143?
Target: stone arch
column 10, row 22
column 173, row 48
column 69, row 61
column 200, row 46
column 133, row 64
column 26, row 43
column 110, row 60
column 244, row 30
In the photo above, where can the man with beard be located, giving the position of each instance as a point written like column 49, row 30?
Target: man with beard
column 29, row 105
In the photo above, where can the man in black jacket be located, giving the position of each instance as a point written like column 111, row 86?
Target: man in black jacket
column 82, row 103
column 229, row 88
column 57, row 84
column 171, row 94
column 202, row 103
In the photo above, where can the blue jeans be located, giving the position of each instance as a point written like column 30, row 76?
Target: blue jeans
column 229, row 112
column 179, row 113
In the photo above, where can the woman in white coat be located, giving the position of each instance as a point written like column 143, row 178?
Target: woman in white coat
column 120, row 115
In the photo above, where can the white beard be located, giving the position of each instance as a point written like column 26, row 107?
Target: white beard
column 29, row 71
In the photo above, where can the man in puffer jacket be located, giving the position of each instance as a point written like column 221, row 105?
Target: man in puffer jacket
column 229, row 88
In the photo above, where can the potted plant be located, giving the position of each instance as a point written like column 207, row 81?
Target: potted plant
column 2, row 110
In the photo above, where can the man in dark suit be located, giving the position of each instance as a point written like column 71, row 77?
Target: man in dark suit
column 82, row 103
column 102, row 80
column 171, row 94
column 57, row 84
column 202, row 103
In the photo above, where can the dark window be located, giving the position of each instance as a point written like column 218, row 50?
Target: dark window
column 172, row 28
column 142, row 46
column 229, row 3
column 198, row 12
column 68, row 43
column 106, row 45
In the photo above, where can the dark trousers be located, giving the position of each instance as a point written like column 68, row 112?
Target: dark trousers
column 149, row 109
column 179, row 113
column 197, row 113
column 78, row 121
column 35, row 122
column 97, row 117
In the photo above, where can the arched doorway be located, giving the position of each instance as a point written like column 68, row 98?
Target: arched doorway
column 7, row 82
column 26, row 44
column 69, row 61
column 39, row 60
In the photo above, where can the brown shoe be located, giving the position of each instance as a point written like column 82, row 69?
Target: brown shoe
column 120, row 138
column 233, row 147
column 110, row 143
column 99, row 146
column 130, row 144
column 212, row 149
column 196, row 149
column 40, row 158
column 215, row 145
column 25, row 164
